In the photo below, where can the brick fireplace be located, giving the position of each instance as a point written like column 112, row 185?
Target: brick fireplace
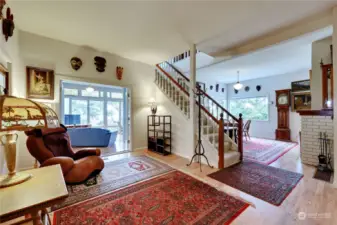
column 312, row 123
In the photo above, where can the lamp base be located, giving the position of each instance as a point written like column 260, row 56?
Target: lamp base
column 17, row 178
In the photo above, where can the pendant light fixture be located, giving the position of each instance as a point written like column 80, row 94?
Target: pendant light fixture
column 238, row 85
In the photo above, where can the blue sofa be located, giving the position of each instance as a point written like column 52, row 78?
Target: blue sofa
column 91, row 137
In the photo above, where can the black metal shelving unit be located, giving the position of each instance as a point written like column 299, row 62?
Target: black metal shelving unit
column 159, row 134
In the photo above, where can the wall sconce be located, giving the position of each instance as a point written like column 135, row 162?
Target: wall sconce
column 153, row 105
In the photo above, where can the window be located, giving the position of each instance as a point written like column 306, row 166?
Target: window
column 251, row 108
column 116, row 95
column 90, row 93
column 70, row 91
column 104, row 106
column 114, row 112
column 79, row 108
column 96, row 113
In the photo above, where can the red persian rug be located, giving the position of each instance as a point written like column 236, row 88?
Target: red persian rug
column 265, row 151
column 268, row 183
column 173, row 198
column 116, row 174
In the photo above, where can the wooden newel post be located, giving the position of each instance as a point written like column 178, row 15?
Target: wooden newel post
column 221, row 150
column 240, row 136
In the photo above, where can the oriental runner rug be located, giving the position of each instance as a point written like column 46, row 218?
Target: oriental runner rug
column 265, row 151
column 116, row 174
column 268, row 183
column 173, row 198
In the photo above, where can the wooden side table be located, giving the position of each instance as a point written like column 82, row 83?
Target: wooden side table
column 43, row 190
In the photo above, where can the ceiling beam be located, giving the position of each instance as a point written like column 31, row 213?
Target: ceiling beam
column 308, row 25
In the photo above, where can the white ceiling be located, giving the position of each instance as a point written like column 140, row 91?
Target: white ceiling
column 154, row 31
column 287, row 57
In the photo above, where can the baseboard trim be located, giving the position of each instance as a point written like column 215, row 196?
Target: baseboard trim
column 140, row 149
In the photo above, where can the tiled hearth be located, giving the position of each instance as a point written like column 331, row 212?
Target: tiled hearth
column 311, row 126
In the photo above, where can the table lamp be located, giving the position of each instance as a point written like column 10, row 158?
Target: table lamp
column 20, row 114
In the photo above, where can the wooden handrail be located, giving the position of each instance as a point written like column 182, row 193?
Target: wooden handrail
column 217, row 104
column 208, row 113
column 178, row 71
column 240, row 137
column 204, row 93
column 221, row 147
column 219, row 122
column 173, row 80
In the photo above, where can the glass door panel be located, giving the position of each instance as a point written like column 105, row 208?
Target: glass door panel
column 79, row 108
column 96, row 118
column 114, row 115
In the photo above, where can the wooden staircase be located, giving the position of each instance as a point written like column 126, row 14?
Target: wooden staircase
column 220, row 129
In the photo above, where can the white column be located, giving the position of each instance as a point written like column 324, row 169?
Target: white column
column 192, row 99
column 334, row 44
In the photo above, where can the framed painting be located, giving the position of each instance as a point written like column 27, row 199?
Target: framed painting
column 300, row 86
column 300, row 101
column 40, row 83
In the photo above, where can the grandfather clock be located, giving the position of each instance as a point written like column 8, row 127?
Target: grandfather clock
column 282, row 103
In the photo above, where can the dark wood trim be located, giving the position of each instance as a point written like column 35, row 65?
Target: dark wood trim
column 208, row 113
column 173, row 80
column 203, row 92
column 178, row 71
column 325, row 69
column 218, row 105
column 323, row 112
column 240, row 136
column 4, row 71
column 221, row 145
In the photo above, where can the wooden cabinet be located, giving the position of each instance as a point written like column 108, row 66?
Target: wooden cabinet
column 282, row 103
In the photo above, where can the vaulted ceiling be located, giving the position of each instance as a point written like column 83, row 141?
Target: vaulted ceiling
column 153, row 31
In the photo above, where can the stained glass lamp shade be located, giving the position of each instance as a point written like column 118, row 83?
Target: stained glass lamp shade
column 19, row 114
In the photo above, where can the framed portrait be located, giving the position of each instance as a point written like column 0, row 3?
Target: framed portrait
column 4, row 87
column 300, row 101
column 40, row 83
column 300, row 86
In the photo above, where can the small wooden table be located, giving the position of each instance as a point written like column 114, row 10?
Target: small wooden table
column 43, row 190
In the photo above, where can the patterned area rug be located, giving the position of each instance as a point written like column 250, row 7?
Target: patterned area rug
column 265, row 151
column 268, row 183
column 116, row 174
column 174, row 198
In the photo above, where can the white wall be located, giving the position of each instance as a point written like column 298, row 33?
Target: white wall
column 180, row 125
column 52, row 54
column 218, row 96
column 10, row 58
column 320, row 50
column 266, row 129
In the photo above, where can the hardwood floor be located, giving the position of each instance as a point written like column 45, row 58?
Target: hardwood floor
column 316, row 198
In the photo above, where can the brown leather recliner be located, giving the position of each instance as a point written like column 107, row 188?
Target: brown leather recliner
column 51, row 146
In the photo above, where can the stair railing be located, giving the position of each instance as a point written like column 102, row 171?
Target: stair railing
column 227, row 123
column 174, row 90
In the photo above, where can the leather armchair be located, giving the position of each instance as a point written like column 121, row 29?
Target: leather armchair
column 51, row 146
